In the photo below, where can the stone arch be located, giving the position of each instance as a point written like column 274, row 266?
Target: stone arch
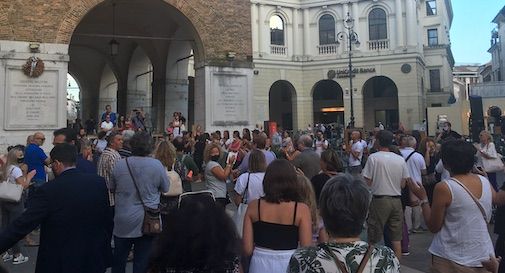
column 328, row 102
column 282, row 104
column 108, row 88
column 140, row 71
column 81, row 8
column 386, row 7
column 380, row 96
column 329, row 11
column 279, row 12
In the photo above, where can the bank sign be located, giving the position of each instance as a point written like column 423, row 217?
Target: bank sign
column 344, row 73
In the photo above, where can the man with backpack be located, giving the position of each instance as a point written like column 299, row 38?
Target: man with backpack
column 184, row 164
column 417, row 168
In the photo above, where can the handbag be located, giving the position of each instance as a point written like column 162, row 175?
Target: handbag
column 10, row 192
column 492, row 165
column 152, row 217
column 168, row 200
column 238, row 217
column 175, row 183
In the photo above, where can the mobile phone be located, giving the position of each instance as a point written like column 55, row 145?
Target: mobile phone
column 230, row 155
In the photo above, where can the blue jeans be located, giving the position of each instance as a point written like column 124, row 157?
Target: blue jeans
column 141, row 253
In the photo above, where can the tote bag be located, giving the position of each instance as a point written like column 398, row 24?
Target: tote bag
column 10, row 192
column 238, row 217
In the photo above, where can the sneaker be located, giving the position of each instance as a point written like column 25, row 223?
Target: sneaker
column 7, row 257
column 405, row 253
column 418, row 230
column 20, row 259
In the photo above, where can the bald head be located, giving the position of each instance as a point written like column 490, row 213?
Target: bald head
column 38, row 138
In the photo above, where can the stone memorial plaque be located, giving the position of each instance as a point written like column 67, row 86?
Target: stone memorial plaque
column 31, row 103
column 230, row 100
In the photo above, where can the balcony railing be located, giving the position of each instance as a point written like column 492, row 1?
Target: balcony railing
column 378, row 44
column 278, row 50
column 329, row 49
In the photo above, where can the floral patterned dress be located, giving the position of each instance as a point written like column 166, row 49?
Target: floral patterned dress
column 318, row 260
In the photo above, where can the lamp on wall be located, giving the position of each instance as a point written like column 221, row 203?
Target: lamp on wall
column 114, row 45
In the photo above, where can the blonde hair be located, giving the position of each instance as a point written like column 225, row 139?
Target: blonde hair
column 487, row 134
column 208, row 148
column 309, row 198
column 165, row 153
column 10, row 160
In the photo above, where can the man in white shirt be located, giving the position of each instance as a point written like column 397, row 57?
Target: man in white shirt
column 386, row 174
column 357, row 147
column 107, row 125
column 320, row 143
column 417, row 168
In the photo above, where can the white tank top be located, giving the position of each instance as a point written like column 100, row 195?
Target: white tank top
column 464, row 237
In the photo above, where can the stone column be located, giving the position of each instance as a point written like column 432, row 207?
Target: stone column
column 262, row 34
column 158, row 114
column 410, row 9
column 254, row 27
column 290, row 35
column 296, row 34
column 355, row 16
column 399, row 23
column 306, row 33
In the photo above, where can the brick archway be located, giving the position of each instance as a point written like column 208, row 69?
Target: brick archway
column 80, row 9
column 207, row 18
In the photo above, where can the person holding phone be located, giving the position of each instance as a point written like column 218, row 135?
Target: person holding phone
column 215, row 175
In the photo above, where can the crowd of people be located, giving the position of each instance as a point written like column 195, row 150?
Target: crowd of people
column 270, row 203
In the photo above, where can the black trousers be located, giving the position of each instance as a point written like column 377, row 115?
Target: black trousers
column 500, row 251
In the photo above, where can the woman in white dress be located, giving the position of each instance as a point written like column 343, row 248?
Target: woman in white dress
column 12, row 173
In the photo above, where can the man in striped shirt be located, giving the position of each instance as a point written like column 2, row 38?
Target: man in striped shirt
column 108, row 160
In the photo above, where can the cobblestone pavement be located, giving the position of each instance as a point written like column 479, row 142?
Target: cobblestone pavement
column 418, row 261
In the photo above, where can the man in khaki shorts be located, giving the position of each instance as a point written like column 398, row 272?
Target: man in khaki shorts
column 386, row 174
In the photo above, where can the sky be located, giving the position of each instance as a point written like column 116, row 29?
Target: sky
column 471, row 29
column 72, row 87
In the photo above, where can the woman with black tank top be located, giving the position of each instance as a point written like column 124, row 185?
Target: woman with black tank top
column 275, row 225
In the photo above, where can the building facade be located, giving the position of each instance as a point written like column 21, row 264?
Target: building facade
column 164, row 56
column 497, row 48
column 401, row 65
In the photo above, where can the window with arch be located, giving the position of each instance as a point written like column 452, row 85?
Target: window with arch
column 377, row 24
column 276, row 30
column 326, row 30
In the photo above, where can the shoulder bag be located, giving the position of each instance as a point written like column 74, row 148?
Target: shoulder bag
column 152, row 217
column 341, row 265
column 492, row 165
column 473, row 197
column 10, row 192
column 238, row 217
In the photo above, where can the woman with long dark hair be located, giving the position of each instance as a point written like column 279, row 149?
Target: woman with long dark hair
column 188, row 246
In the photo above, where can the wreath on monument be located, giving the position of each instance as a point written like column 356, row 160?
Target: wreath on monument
column 34, row 67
